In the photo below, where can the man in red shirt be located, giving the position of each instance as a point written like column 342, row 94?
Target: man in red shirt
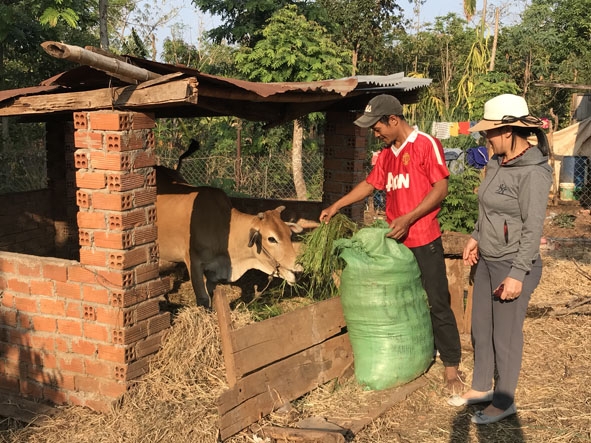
column 411, row 169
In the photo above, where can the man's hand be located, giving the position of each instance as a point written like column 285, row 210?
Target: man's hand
column 327, row 214
column 399, row 227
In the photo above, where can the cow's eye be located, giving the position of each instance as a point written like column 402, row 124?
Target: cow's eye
column 272, row 240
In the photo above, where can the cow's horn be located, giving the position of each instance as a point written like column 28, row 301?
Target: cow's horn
column 280, row 208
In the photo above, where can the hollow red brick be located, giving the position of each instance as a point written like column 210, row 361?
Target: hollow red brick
column 91, row 220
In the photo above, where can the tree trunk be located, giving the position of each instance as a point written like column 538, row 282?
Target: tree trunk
column 296, row 161
column 104, row 36
column 495, row 38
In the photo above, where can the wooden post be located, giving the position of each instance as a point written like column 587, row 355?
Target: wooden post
column 222, row 308
column 455, row 278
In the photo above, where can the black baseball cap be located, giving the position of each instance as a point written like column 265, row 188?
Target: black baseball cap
column 377, row 107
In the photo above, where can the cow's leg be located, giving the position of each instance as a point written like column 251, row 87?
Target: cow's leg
column 217, row 270
column 201, row 295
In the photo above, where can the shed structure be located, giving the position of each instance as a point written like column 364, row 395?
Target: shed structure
column 80, row 288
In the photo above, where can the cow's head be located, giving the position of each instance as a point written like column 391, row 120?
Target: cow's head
column 270, row 237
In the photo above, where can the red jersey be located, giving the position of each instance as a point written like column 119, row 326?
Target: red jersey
column 407, row 175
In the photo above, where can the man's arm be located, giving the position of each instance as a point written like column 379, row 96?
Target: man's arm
column 399, row 226
column 358, row 193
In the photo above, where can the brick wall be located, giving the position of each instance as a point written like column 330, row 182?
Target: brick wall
column 345, row 155
column 79, row 332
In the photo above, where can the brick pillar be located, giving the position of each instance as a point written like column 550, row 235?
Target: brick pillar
column 345, row 155
column 117, row 235
column 62, row 186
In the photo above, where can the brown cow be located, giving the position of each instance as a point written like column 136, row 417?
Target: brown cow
column 198, row 226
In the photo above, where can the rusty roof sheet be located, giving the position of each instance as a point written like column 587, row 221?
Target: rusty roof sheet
column 218, row 95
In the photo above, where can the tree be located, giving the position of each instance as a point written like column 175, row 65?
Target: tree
column 24, row 25
column 535, row 50
column 104, row 35
column 241, row 19
column 364, row 27
column 293, row 49
column 469, row 8
column 476, row 64
column 133, row 24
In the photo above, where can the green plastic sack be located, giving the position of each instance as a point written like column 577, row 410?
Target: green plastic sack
column 385, row 308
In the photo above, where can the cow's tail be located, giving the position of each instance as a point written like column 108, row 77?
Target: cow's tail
column 194, row 146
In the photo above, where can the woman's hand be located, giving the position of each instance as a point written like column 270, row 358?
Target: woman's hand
column 509, row 289
column 470, row 254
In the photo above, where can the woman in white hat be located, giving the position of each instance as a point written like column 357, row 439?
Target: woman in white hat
column 504, row 247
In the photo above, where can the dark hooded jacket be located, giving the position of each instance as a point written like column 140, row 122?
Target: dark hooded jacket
column 512, row 208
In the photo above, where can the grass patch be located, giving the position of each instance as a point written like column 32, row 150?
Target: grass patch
column 564, row 221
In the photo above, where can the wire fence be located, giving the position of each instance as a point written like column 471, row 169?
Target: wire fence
column 268, row 176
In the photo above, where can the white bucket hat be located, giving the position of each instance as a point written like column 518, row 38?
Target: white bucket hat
column 506, row 110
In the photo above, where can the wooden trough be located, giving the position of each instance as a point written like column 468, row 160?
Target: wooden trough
column 273, row 362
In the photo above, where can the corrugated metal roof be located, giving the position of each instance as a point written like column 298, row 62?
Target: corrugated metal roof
column 211, row 95
column 398, row 80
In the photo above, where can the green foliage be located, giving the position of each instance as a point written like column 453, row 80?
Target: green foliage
column 241, row 19
column 133, row 45
column 459, row 210
column 321, row 265
column 292, row 49
column 476, row 63
column 52, row 15
column 210, row 58
column 364, row 28
column 564, row 221
column 487, row 86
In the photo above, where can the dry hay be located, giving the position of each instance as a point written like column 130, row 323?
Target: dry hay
column 563, row 277
column 176, row 401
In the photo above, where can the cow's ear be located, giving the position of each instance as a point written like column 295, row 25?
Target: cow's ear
column 255, row 238
column 295, row 228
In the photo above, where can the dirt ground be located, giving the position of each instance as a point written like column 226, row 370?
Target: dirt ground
column 176, row 401
column 567, row 220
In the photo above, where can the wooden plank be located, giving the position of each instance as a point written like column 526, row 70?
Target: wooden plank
column 260, row 393
column 24, row 410
column 260, row 344
column 455, row 279
column 378, row 404
column 180, row 91
column 302, row 435
column 162, row 79
column 468, row 311
column 453, row 243
column 222, row 308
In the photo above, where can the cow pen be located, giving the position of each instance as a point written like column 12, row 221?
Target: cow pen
column 80, row 288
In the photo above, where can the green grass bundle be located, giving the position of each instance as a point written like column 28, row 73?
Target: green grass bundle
column 321, row 265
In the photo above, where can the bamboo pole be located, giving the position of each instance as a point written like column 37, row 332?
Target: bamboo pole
column 95, row 60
